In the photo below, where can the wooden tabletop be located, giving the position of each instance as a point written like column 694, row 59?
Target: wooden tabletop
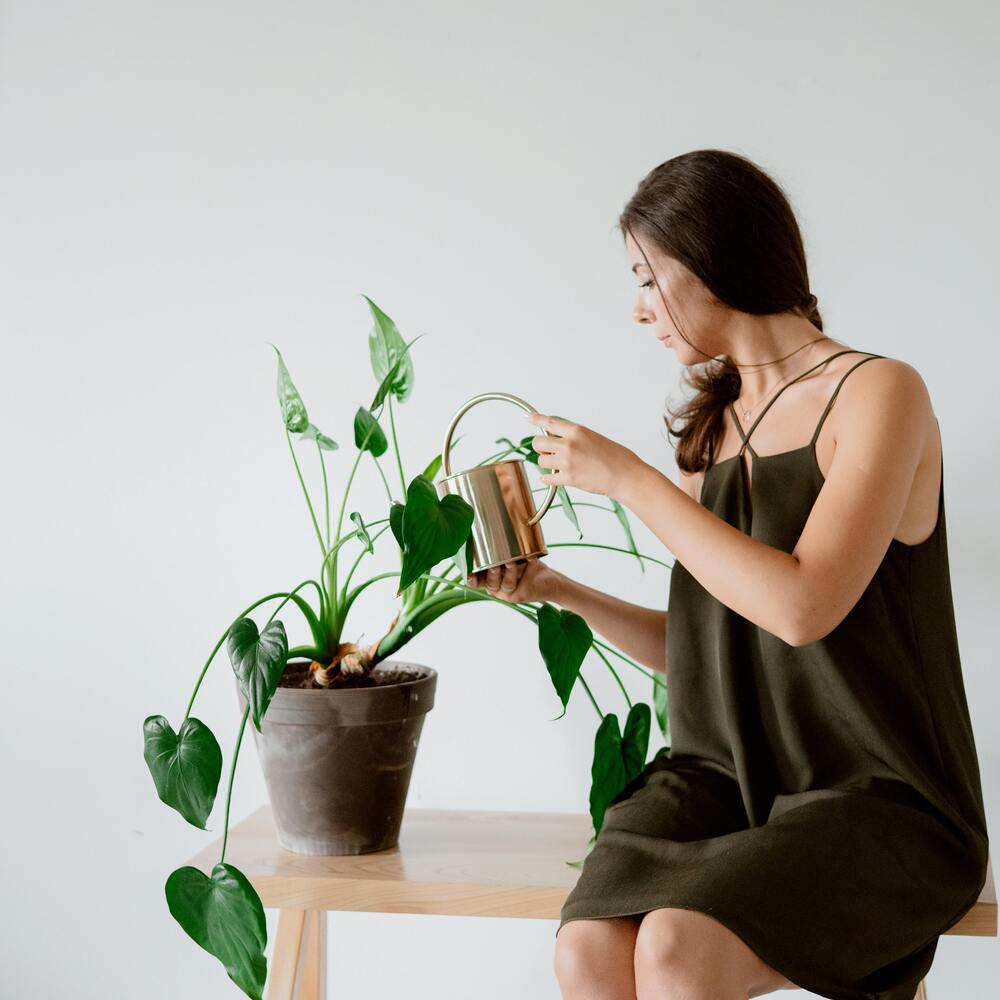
column 449, row 861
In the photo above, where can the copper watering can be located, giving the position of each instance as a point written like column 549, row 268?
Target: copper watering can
column 505, row 524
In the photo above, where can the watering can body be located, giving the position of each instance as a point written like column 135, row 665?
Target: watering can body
column 505, row 524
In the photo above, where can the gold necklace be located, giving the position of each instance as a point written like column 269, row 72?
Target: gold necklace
column 747, row 412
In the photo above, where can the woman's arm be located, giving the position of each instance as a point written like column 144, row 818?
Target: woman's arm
column 880, row 425
column 639, row 632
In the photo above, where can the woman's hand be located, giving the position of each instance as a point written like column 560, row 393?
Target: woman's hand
column 582, row 457
column 519, row 581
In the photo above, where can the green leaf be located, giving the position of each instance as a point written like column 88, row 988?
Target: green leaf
column 432, row 469
column 258, row 661
column 563, row 640
column 622, row 516
column 433, row 529
column 366, row 539
column 618, row 759
column 567, row 508
column 396, row 522
column 464, row 558
column 185, row 766
column 368, row 435
column 293, row 410
column 386, row 347
column 387, row 382
column 434, row 466
column 660, row 705
column 313, row 433
column 590, row 847
column 224, row 915
column 524, row 446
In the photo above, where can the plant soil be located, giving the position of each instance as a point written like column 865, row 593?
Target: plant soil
column 298, row 675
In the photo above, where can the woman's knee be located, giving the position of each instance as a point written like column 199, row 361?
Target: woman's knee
column 697, row 954
column 595, row 956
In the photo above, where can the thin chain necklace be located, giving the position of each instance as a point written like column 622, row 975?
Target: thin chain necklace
column 746, row 411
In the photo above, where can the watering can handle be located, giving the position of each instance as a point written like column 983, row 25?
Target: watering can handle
column 446, row 450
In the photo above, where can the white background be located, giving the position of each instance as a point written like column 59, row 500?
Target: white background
column 183, row 182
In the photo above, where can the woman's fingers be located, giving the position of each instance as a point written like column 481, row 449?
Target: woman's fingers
column 501, row 580
column 512, row 575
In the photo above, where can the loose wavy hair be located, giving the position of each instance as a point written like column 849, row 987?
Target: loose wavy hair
column 732, row 226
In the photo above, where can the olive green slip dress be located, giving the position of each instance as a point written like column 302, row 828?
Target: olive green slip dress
column 822, row 801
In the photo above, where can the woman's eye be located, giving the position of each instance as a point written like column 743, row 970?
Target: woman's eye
column 646, row 284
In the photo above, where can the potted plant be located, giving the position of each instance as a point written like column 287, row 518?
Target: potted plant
column 344, row 720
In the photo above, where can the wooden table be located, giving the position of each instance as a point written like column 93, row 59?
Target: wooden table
column 449, row 861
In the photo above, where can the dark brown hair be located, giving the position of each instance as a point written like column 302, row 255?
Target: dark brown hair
column 732, row 226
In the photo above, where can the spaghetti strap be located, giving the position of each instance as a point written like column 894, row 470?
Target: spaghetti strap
column 826, row 410
column 746, row 435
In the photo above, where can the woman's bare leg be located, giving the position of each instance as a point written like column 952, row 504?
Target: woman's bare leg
column 595, row 958
column 688, row 955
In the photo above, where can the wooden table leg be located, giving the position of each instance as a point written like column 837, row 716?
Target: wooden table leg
column 297, row 969
column 921, row 993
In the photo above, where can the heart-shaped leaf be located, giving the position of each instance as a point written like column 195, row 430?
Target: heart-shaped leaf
column 390, row 377
column 258, row 661
column 368, row 435
column 386, row 347
column 313, row 433
column 618, row 759
column 225, row 916
column 185, row 766
column 293, row 410
column 433, row 529
column 366, row 539
column 563, row 640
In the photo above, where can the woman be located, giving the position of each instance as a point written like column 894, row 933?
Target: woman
column 819, row 819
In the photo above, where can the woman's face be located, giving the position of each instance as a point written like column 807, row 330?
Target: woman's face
column 690, row 301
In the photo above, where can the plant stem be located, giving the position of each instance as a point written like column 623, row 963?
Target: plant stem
column 332, row 570
column 326, row 491
column 615, row 672
column 388, row 492
column 590, row 695
column 395, row 445
column 496, row 458
column 232, row 772
column 447, row 579
column 348, row 599
column 312, row 513
column 288, row 597
column 361, row 556
column 612, row 548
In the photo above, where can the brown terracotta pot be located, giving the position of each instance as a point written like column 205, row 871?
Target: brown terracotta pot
column 337, row 762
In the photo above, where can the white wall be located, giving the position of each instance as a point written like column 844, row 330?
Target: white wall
column 183, row 182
